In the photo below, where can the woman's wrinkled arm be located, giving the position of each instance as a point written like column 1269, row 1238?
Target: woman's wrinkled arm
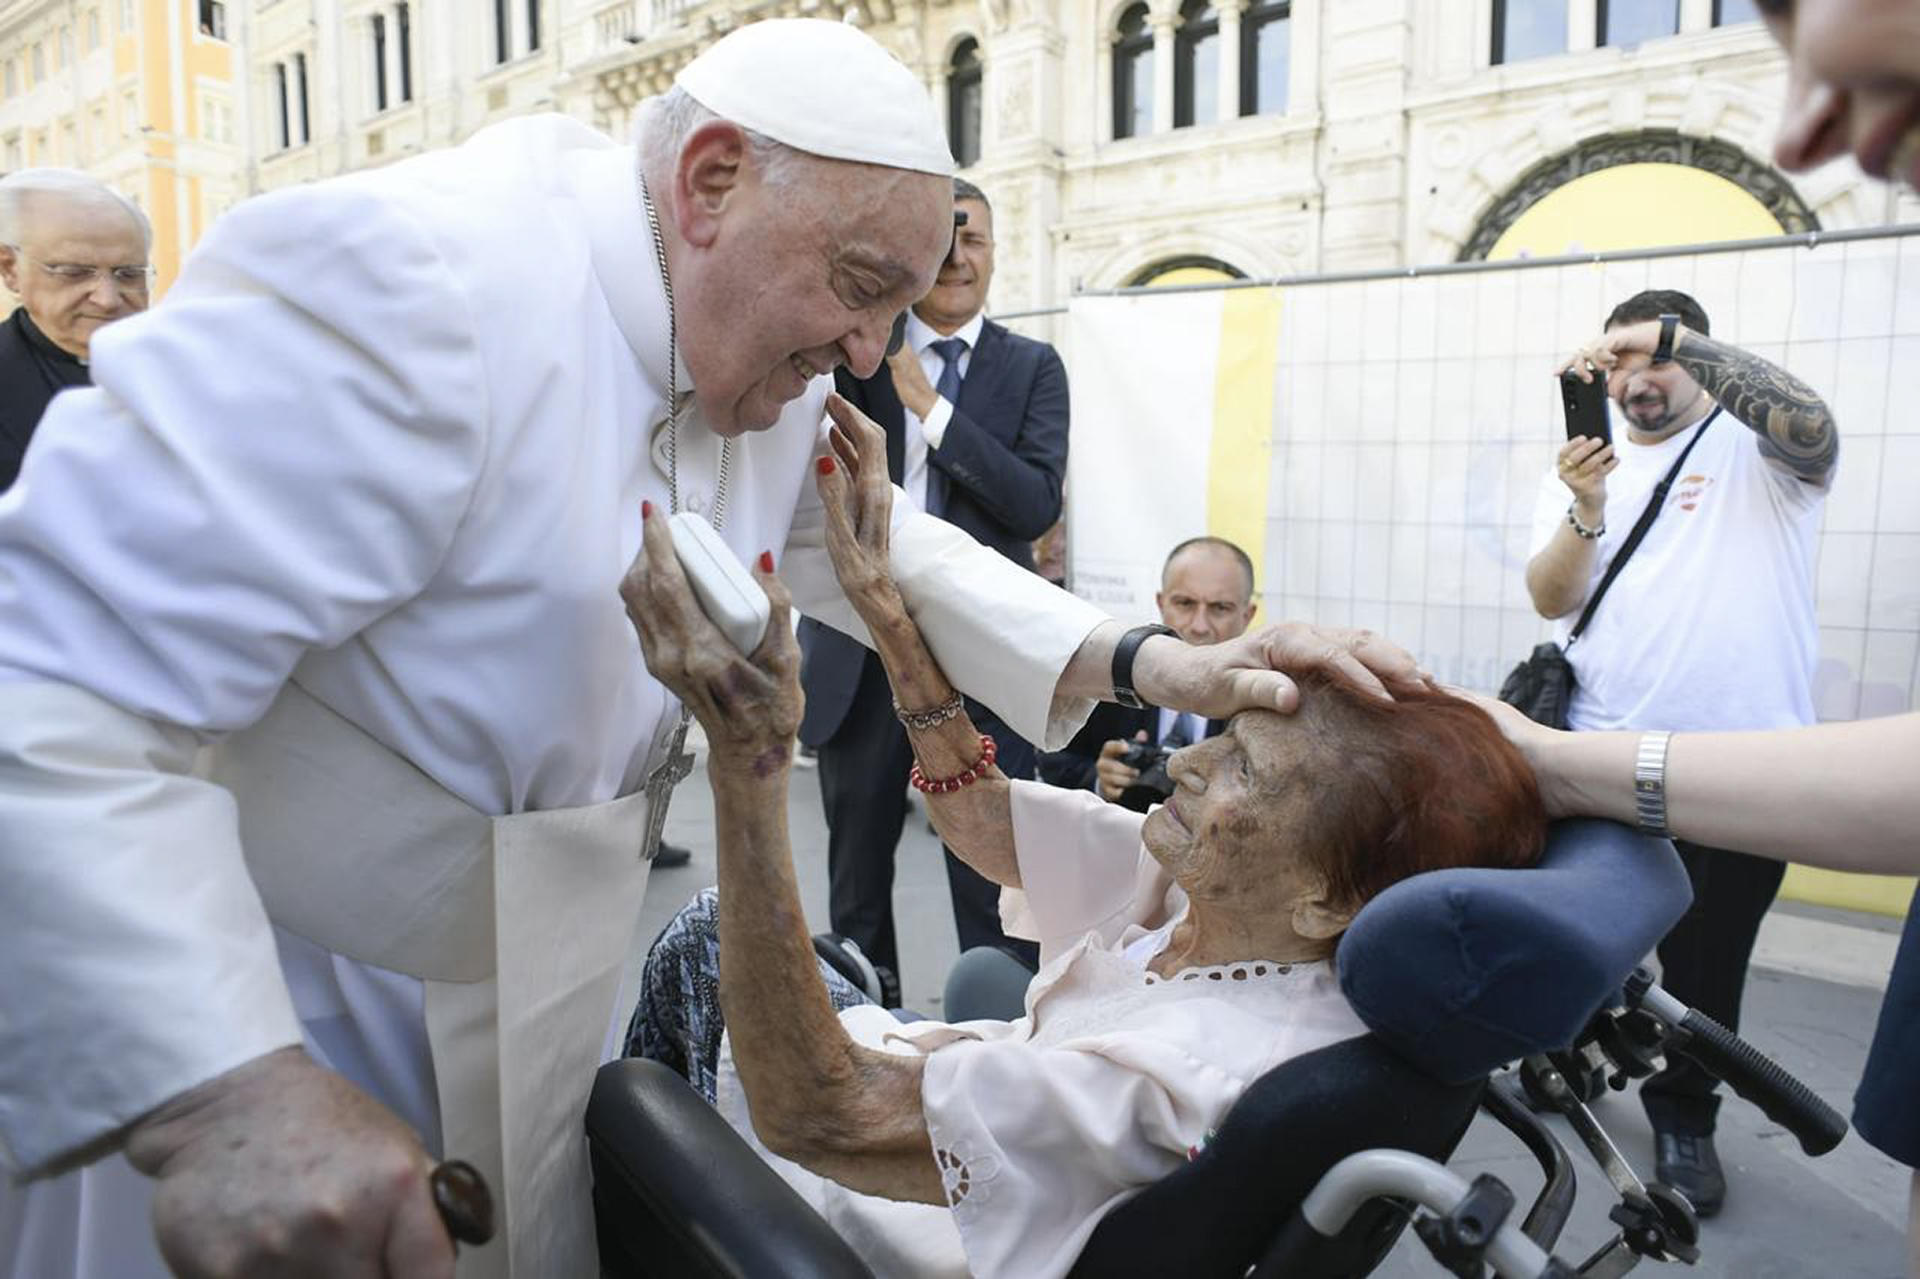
column 976, row 821
column 816, row 1096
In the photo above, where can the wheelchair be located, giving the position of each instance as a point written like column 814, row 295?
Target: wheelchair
column 1323, row 1163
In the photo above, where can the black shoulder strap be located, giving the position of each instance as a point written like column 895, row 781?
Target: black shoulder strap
column 1640, row 527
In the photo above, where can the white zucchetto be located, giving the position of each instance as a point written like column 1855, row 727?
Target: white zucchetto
column 825, row 88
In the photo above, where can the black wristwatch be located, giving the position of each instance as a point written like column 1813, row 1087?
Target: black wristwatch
column 1663, row 349
column 1123, row 654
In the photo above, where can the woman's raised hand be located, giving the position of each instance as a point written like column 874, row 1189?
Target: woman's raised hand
column 858, row 498
column 748, row 705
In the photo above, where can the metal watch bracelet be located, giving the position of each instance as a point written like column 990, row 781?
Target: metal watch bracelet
column 1650, row 782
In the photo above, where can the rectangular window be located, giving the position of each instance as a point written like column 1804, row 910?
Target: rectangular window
column 300, row 80
column 1627, row 23
column 1196, row 78
column 93, row 30
column 533, row 25
column 502, row 32
column 286, row 104
column 39, row 62
column 13, row 78
column 403, row 24
column 1525, row 29
column 126, row 15
column 129, row 113
column 1266, row 52
column 14, row 158
column 1728, row 12
column 213, row 19
column 64, row 55
column 379, row 62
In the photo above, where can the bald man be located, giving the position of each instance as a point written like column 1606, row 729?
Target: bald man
column 73, row 252
column 1206, row 597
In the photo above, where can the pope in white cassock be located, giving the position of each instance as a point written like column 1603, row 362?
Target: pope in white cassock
column 352, row 507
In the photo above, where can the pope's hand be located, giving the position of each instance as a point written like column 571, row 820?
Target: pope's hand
column 1251, row 672
column 283, row 1168
column 748, row 706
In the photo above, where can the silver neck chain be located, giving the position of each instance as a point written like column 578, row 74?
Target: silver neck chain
column 719, row 511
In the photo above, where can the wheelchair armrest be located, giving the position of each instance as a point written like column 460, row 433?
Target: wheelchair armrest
column 676, row 1191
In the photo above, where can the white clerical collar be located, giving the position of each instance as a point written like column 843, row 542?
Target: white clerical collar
column 624, row 260
column 921, row 335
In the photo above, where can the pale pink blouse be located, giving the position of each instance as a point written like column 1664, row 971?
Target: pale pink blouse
column 1114, row 1075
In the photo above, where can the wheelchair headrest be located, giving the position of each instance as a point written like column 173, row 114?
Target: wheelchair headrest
column 1462, row 971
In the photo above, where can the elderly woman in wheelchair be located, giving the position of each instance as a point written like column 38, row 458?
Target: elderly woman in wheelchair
column 1184, row 954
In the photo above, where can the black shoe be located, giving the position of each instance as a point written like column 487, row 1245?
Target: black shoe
column 1689, row 1165
column 671, row 856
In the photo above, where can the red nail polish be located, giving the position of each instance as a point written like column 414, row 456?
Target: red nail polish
column 646, row 509
column 766, row 561
column 826, row 466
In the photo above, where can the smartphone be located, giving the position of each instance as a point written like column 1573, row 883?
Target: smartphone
column 1586, row 407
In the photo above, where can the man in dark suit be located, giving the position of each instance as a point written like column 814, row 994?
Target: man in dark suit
column 75, row 253
column 976, row 422
column 1206, row 596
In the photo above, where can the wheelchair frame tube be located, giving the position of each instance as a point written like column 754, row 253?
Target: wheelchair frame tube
column 1372, row 1173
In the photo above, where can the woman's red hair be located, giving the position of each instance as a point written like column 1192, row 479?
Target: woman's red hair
column 1423, row 782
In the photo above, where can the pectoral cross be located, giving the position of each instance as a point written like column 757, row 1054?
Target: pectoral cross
column 672, row 769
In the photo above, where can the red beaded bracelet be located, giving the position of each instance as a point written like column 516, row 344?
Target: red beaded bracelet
column 947, row 785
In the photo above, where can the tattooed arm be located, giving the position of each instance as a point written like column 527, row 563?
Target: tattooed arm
column 1794, row 425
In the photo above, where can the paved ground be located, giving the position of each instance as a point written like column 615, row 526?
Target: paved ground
column 1786, row 1217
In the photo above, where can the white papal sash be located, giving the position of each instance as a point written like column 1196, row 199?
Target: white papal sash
column 518, row 926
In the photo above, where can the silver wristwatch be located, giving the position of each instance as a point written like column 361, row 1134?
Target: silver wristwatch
column 1650, row 782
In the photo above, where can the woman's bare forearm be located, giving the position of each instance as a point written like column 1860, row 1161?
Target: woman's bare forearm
column 1840, row 796
column 975, row 821
column 816, row 1097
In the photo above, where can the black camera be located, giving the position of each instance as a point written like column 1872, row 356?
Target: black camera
column 898, row 338
column 1153, row 786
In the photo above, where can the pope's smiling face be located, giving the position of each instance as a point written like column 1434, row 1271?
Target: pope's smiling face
column 793, row 269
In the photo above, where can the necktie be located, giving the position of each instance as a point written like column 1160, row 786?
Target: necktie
column 947, row 388
column 949, row 350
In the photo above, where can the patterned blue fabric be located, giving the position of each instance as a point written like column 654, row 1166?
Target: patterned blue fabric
column 678, row 1020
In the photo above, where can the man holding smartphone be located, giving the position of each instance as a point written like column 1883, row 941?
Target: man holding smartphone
column 1709, row 626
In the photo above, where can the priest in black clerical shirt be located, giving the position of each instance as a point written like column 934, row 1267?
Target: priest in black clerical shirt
column 74, row 253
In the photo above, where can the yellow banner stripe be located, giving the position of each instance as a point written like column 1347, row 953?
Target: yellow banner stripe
column 1239, row 457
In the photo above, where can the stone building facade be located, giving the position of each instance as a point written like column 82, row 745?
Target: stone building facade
column 139, row 93
column 1121, row 140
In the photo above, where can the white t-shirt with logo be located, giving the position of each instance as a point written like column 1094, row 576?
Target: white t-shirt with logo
column 1711, row 624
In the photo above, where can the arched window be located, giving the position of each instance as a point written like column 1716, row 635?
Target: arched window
column 1133, row 75
column 963, row 102
column 1196, row 65
column 1189, row 269
column 1630, row 22
column 1265, row 49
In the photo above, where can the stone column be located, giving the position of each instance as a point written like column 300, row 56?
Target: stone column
column 1696, row 15
column 1230, row 11
column 1164, row 20
column 1582, row 17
